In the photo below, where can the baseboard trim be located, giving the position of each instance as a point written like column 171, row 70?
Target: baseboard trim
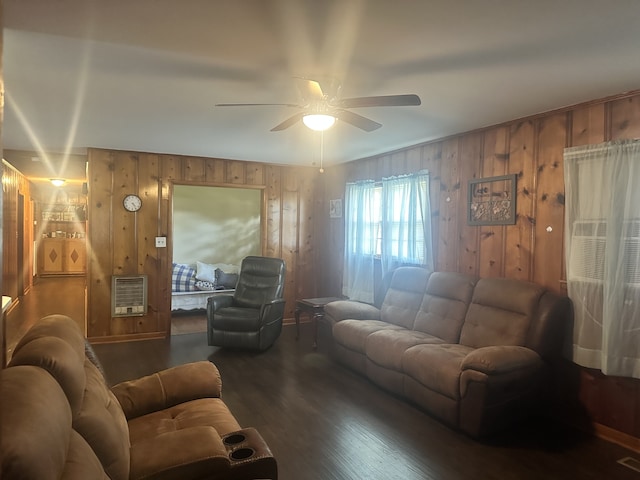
column 128, row 338
column 615, row 436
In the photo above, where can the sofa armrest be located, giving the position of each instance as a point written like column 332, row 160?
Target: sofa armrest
column 497, row 360
column 350, row 310
column 168, row 388
column 499, row 385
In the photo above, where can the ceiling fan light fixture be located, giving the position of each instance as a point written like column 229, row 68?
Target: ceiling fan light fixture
column 319, row 121
column 57, row 182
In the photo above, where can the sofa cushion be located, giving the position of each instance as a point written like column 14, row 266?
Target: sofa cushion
column 404, row 296
column 348, row 309
column 352, row 334
column 500, row 312
column 437, row 367
column 444, row 305
column 386, row 347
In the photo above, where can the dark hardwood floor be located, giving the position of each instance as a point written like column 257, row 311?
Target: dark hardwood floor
column 324, row 422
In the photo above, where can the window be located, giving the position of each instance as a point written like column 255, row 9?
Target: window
column 602, row 249
column 389, row 221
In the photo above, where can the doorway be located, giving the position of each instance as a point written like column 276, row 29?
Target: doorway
column 211, row 225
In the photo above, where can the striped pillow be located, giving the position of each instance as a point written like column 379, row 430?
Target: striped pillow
column 183, row 278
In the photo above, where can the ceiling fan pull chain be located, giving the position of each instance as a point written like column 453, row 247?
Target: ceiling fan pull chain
column 321, row 150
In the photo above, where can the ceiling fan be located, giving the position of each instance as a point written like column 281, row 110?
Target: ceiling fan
column 326, row 106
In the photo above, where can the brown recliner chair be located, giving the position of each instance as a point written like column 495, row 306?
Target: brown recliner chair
column 60, row 420
column 251, row 318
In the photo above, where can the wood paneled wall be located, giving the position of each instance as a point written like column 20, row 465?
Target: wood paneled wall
column 123, row 243
column 17, row 273
column 533, row 248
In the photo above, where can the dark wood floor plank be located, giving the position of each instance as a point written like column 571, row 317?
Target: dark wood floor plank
column 324, row 422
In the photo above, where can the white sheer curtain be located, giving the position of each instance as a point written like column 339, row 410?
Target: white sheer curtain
column 406, row 222
column 362, row 214
column 602, row 243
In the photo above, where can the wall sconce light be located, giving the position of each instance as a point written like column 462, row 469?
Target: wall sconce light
column 58, row 182
column 319, row 121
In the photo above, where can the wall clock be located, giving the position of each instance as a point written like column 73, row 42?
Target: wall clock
column 132, row 203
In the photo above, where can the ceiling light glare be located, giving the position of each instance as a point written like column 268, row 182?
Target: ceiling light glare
column 319, row 122
column 58, row 182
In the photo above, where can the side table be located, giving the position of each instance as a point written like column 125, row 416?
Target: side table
column 314, row 307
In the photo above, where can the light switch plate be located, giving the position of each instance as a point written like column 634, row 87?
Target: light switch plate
column 161, row 242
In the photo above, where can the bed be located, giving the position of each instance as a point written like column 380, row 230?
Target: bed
column 193, row 284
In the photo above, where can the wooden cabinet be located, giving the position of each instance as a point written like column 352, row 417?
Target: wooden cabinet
column 62, row 247
column 63, row 256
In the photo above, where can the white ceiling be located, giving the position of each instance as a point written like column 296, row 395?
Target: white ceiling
column 145, row 75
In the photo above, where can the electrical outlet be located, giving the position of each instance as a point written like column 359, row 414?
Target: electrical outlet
column 161, row 242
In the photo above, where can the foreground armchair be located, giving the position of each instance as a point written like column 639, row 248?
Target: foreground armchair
column 59, row 419
column 251, row 318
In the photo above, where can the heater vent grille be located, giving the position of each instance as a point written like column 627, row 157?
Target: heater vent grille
column 128, row 295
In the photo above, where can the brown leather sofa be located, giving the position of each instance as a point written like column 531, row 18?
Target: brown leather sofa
column 60, row 420
column 475, row 353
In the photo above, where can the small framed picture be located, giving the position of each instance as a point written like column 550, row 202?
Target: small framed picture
column 492, row 201
column 335, row 208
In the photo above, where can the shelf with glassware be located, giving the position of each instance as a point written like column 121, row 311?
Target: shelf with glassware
column 62, row 248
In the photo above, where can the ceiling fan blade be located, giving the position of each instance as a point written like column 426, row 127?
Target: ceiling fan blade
column 310, row 90
column 356, row 120
column 381, row 101
column 258, row 105
column 288, row 122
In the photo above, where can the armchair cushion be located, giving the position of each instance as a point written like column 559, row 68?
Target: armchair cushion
column 239, row 319
column 103, row 425
column 31, row 394
column 164, row 456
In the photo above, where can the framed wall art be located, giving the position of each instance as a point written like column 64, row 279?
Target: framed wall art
column 492, row 201
column 335, row 208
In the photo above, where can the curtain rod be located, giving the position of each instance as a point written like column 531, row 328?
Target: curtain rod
column 599, row 147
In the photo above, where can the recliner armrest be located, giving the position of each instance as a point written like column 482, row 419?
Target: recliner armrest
column 272, row 310
column 217, row 302
column 501, row 359
column 167, row 388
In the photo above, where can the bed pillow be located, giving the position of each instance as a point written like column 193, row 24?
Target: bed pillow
column 183, row 278
column 227, row 280
column 227, row 267
column 204, row 285
column 205, row 272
